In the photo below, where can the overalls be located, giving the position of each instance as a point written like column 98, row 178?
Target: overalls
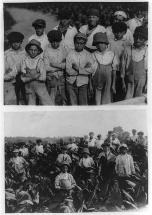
column 136, row 78
column 37, row 89
column 102, row 82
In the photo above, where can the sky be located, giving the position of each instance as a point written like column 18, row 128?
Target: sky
column 72, row 123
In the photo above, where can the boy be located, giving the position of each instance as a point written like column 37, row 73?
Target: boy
column 124, row 163
column 54, row 59
column 19, row 164
column 40, row 35
column 13, row 59
column 118, row 46
column 64, row 182
column 105, row 72
column 134, row 63
column 78, row 68
column 34, row 74
column 92, row 28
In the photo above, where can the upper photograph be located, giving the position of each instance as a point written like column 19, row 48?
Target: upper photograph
column 75, row 53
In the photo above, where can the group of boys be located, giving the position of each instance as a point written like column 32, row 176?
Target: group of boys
column 70, row 66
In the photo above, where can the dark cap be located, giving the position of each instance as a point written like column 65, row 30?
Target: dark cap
column 39, row 23
column 100, row 38
column 54, row 35
column 81, row 35
column 15, row 37
column 93, row 12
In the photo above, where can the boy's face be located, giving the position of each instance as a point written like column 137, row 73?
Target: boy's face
column 39, row 31
column 92, row 21
column 119, row 35
column 16, row 45
column 101, row 47
column 85, row 155
column 123, row 151
column 33, row 52
column 139, row 42
column 55, row 44
column 65, row 169
column 79, row 44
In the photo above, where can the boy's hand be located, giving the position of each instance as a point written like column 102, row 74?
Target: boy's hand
column 75, row 67
column 124, row 86
column 113, row 89
column 55, row 65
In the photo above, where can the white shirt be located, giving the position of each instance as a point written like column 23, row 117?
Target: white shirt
column 42, row 39
column 57, row 56
column 124, row 165
column 86, row 162
column 106, row 58
column 36, row 63
column 134, row 23
column 24, row 151
column 98, row 143
column 80, row 59
column 39, row 149
column 68, row 38
column 91, row 142
column 13, row 61
column 84, row 29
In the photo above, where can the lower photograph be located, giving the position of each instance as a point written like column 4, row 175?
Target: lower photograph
column 76, row 161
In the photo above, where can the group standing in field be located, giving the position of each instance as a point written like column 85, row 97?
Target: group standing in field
column 70, row 65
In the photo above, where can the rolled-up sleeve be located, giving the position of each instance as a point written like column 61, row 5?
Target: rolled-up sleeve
column 42, row 70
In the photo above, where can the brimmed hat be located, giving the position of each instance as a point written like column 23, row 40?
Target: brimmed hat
column 85, row 151
column 35, row 43
column 123, row 146
column 39, row 23
column 120, row 13
column 54, row 35
column 100, row 38
column 140, row 132
column 80, row 35
column 15, row 37
column 93, row 12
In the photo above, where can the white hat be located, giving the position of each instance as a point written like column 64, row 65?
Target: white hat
column 120, row 13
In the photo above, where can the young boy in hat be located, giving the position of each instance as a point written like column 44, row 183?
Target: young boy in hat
column 134, row 63
column 124, row 162
column 78, row 68
column 34, row 74
column 105, row 69
column 54, row 59
column 92, row 28
column 64, row 182
column 19, row 164
column 86, row 161
column 39, row 25
column 13, row 59
column 63, row 157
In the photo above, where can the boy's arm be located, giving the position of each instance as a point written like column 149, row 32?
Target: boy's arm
column 9, row 73
column 88, row 69
column 57, row 182
column 49, row 66
column 69, row 68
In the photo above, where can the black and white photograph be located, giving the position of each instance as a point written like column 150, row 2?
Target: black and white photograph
column 75, row 53
column 76, row 161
